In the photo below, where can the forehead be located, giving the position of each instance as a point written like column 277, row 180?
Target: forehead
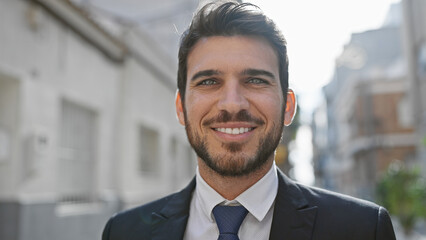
column 232, row 53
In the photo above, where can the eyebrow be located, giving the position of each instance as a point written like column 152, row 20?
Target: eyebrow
column 205, row 73
column 258, row 72
column 246, row 72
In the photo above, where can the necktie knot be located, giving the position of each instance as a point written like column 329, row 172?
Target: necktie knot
column 228, row 220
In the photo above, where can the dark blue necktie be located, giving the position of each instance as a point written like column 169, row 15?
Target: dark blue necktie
column 228, row 220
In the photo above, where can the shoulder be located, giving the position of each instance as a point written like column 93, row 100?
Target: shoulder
column 307, row 196
column 336, row 216
column 133, row 222
column 348, row 215
column 136, row 223
column 142, row 214
column 328, row 199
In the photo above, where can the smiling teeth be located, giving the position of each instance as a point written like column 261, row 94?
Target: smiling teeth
column 233, row 130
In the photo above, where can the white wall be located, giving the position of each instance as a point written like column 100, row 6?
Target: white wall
column 150, row 103
column 44, row 63
column 54, row 64
column 9, row 120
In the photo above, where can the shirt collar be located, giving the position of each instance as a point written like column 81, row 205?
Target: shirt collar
column 257, row 199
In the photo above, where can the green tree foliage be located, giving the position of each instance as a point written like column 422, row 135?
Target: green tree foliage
column 402, row 191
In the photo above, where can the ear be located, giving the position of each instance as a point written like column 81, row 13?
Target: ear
column 179, row 109
column 290, row 107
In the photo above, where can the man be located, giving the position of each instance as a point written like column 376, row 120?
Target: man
column 233, row 100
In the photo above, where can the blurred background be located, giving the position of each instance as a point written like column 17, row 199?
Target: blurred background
column 88, row 126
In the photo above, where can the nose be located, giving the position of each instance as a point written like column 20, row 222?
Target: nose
column 232, row 98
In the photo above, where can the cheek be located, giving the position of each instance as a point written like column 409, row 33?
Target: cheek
column 271, row 106
column 274, row 111
column 197, row 106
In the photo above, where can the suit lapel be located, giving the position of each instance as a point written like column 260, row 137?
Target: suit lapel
column 293, row 218
column 170, row 222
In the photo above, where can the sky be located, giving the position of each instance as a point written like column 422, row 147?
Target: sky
column 316, row 32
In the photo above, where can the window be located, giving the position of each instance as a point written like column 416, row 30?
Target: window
column 149, row 150
column 422, row 60
column 183, row 162
column 189, row 158
column 76, row 166
column 9, row 109
column 4, row 144
column 174, row 176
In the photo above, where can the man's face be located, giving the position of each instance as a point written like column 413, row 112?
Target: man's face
column 233, row 108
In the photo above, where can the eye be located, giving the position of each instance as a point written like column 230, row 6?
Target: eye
column 207, row 82
column 257, row 81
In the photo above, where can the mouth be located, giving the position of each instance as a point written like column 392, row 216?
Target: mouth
column 234, row 131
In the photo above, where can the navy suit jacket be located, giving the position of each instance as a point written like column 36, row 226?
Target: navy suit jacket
column 300, row 213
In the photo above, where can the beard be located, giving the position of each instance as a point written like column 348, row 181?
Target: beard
column 235, row 162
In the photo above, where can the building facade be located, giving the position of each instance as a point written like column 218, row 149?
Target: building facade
column 374, row 105
column 367, row 107
column 87, row 121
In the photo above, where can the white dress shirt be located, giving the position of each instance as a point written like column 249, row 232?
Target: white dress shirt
column 258, row 200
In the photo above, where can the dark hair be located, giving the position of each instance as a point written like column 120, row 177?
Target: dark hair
column 230, row 19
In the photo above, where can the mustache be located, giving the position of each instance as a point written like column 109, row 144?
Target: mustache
column 241, row 116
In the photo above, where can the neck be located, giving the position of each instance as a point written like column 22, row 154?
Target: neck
column 231, row 187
